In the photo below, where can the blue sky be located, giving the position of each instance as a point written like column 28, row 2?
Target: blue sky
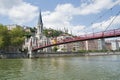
column 78, row 16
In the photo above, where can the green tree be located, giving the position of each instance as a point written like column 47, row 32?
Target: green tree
column 52, row 32
column 55, row 49
column 4, row 37
column 17, row 36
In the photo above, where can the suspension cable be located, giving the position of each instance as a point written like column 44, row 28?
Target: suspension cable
column 112, row 21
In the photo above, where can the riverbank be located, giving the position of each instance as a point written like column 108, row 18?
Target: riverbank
column 54, row 54
column 62, row 54
column 12, row 55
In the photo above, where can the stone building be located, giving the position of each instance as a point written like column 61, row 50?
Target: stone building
column 64, row 47
column 38, row 38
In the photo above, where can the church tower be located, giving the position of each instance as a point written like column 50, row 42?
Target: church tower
column 39, row 27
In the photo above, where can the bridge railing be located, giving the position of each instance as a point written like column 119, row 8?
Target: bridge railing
column 102, row 34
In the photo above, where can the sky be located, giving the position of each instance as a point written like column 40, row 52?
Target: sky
column 78, row 16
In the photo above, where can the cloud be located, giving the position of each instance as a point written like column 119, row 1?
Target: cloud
column 64, row 13
column 97, row 6
column 78, row 30
column 6, row 5
column 104, row 24
column 18, row 11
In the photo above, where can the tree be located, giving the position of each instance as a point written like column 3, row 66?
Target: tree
column 4, row 37
column 74, row 49
column 55, row 49
column 17, row 36
column 52, row 32
column 1, row 42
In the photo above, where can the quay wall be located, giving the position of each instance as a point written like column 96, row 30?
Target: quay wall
column 58, row 54
column 102, row 53
column 54, row 54
column 12, row 55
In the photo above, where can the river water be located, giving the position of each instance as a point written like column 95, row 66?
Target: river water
column 61, row 68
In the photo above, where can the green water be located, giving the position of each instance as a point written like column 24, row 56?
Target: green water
column 62, row 68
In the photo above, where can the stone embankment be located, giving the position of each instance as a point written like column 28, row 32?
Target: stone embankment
column 54, row 54
column 102, row 53
column 12, row 55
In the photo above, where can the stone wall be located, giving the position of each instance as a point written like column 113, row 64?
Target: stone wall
column 53, row 54
column 12, row 55
column 58, row 54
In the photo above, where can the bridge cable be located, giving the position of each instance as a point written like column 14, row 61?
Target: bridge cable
column 101, row 16
column 112, row 21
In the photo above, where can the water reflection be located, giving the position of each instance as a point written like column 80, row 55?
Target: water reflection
column 10, row 69
column 61, row 68
column 58, row 63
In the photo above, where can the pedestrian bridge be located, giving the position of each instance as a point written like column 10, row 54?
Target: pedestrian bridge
column 92, row 36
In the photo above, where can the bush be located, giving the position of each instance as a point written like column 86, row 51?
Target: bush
column 82, row 51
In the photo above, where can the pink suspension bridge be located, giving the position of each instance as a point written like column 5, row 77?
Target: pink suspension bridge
column 98, row 35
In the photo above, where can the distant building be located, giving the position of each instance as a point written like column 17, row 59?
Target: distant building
column 82, row 45
column 101, row 44
column 76, row 46
column 93, row 44
column 27, row 29
column 115, row 45
column 64, row 47
column 108, row 46
column 12, row 26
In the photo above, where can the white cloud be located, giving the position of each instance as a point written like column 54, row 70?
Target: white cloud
column 6, row 5
column 104, row 24
column 18, row 11
column 97, row 6
column 78, row 30
column 64, row 13
column 23, row 13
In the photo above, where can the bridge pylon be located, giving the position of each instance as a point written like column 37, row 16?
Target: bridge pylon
column 29, row 53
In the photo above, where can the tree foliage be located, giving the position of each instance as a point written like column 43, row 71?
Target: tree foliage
column 55, row 48
column 14, row 37
column 4, row 36
column 52, row 32
column 17, row 36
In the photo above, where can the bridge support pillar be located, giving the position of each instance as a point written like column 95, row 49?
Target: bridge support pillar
column 29, row 54
column 86, row 45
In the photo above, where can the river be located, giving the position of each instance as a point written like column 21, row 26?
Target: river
column 61, row 68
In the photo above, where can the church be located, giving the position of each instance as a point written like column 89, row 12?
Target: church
column 38, row 38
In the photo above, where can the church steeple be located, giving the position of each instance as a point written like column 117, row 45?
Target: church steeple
column 39, row 26
column 40, row 19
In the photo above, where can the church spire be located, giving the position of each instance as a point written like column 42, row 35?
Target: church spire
column 40, row 19
column 39, row 26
